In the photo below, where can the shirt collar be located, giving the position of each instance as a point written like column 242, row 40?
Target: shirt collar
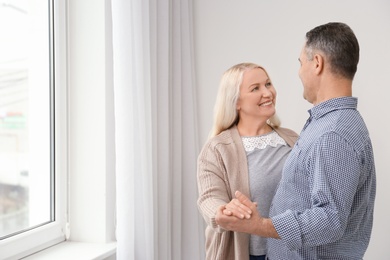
column 333, row 104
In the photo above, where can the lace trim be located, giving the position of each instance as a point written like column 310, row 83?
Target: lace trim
column 262, row 141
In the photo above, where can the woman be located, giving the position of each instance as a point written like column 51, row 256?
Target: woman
column 246, row 152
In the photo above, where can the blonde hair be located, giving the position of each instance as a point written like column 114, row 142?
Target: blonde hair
column 225, row 111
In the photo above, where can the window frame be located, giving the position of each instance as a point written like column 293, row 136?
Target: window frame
column 83, row 65
column 48, row 234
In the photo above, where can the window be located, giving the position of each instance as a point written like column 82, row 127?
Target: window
column 82, row 133
column 31, row 209
column 25, row 123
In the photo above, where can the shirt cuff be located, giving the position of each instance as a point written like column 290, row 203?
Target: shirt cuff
column 288, row 229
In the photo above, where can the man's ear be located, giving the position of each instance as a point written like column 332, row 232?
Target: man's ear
column 319, row 63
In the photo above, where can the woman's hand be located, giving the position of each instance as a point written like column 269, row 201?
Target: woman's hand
column 237, row 209
column 255, row 224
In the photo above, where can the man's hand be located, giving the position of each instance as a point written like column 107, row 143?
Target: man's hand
column 227, row 215
column 256, row 224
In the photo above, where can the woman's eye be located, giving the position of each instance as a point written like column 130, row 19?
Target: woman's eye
column 268, row 84
column 255, row 89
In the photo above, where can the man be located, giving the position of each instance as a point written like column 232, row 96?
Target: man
column 323, row 208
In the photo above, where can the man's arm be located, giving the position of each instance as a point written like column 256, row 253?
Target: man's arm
column 256, row 224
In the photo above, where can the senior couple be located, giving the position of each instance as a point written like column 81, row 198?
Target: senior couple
column 267, row 193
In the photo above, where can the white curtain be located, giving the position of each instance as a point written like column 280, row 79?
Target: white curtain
column 156, row 130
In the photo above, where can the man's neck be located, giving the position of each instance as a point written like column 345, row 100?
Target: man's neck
column 333, row 87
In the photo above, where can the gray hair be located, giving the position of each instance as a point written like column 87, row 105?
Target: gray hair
column 338, row 43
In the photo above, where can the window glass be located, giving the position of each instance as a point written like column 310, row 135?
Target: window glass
column 26, row 174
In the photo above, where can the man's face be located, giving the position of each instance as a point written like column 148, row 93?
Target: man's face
column 307, row 76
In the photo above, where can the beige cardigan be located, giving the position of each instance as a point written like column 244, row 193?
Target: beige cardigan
column 223, row 169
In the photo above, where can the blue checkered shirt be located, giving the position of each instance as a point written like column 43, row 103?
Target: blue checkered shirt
column 323, row 208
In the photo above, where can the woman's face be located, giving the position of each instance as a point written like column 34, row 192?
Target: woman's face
column 257, row 96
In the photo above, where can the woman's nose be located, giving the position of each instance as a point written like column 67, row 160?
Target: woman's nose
column 266, row 92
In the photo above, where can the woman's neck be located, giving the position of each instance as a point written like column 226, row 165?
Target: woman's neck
column 253, row 129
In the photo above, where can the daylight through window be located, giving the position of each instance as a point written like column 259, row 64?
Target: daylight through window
column 26, row 147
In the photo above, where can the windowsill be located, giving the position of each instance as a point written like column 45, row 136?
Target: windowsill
column 76, row 251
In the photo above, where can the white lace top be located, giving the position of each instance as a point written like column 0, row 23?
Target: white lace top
column 262, row 141
column 266, row 155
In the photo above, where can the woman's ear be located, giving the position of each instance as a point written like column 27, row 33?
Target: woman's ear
column 238, row 107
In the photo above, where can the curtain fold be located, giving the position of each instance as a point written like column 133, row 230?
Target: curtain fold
column 156, row 130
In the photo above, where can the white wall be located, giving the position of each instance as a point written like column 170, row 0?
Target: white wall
column 271, row 33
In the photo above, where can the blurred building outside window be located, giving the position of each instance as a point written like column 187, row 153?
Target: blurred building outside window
column 26, row 175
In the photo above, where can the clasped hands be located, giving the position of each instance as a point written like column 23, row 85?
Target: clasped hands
column 239, row 215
